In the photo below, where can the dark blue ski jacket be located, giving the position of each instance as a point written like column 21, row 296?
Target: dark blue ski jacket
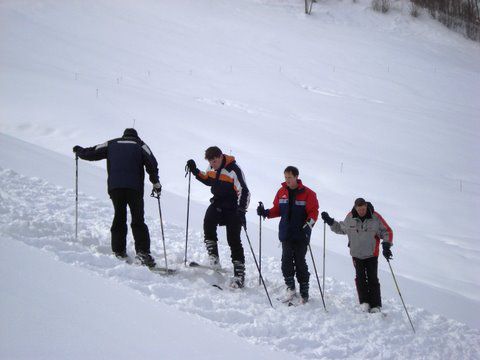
column 126, row 159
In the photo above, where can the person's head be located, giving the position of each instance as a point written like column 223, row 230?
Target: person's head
column 361, row 207
column 130, row 132
column 291, row 176
column 214, row 156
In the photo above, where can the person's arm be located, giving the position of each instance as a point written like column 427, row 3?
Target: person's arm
column 151, row 164
column 94, row 153
column 275, row 210
column 339, row 227
column 311, row 208
column 385, row 231
column 242, row 189
column 203, row 176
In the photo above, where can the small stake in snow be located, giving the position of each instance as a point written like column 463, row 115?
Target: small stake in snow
column 399, row 293
column 157, row 196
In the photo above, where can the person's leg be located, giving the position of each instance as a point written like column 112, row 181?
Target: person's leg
column 361, row 280
column 301, row 267
column 288, row 264
column 119, row 223
column 210, row 222
column 234, row 229
column 140, row 231
column 375, row 299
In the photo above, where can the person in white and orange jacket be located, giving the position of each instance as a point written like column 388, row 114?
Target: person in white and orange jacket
column 364, row 228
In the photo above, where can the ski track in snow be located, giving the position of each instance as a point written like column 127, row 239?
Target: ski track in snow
column 42, row 215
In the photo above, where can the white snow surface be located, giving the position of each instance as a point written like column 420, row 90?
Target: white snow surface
column 379, row 106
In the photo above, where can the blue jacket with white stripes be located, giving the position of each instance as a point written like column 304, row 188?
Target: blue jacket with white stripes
column 126, row 158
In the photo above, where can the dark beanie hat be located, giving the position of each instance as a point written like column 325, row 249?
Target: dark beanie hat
column 130, row 132
column 360, row 202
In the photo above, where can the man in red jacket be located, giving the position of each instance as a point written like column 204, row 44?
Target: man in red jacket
column 297, row 206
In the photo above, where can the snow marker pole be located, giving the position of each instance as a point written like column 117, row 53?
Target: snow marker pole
column 76, row 197
column 401, row 297
column 260, row 247
column 188, row 212
column 157, row 196
column 316, row 274
column 256, row 263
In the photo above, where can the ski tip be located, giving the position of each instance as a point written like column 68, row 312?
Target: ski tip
column 217, row 286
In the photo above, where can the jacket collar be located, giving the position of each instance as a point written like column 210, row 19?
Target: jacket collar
column 300, row 185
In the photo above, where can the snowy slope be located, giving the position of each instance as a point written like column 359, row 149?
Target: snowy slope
column 384, row 107
column 307, row 331
column 51, row 310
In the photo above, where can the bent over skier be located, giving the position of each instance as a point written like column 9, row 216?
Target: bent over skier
column 227, row 208
column 126, row 158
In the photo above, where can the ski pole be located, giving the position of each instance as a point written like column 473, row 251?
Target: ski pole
column 316, row 274
column 256, row 263
column 323, row 275
column 76, row 197
column 310, row 9
column 157, row 196
column 260, row 247
column 188, row 212
column 401, row 297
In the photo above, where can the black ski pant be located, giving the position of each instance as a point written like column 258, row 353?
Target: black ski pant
column 214, row 217
column 294, row 262
column 366, row 280
column 134, row 199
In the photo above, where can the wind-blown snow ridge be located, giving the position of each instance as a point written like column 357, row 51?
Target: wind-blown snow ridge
column 41, row 215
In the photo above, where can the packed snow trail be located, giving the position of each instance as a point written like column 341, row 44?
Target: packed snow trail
column 40, row 214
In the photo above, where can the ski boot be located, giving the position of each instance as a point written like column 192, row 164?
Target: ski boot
column 304, row 293
column 238, row 279
column 145, row 259
column 121, row 255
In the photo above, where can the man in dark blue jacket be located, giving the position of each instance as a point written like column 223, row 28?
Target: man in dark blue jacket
column 297, row 205
column 126, row 159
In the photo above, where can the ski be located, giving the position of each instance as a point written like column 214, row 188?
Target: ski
column 162, row 271
column 155, row 269
column 196, row 265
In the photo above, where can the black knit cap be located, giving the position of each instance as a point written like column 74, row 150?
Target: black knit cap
column 130, row 132
column 360, row 202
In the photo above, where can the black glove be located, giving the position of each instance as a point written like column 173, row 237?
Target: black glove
column 326, row 218
column 261, row 210
column 387, row 253
column 157, row 188
column 241, row 216
column 77, row 148
column 192, row 167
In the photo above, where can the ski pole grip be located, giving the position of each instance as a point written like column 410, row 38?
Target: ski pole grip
column 152, row 194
